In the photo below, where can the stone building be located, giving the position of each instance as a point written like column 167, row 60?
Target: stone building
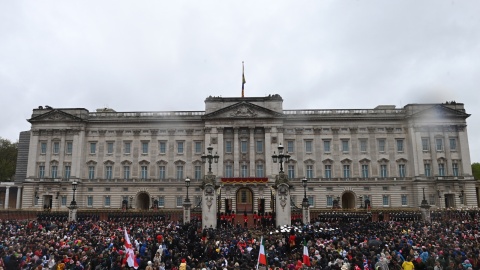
column 384, row 155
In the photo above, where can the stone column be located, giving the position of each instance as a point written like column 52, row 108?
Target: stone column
column 252, row 151
column 7, row 197
column 19, row 197
column 209, row 202
column 236, row 153
column 306, row 212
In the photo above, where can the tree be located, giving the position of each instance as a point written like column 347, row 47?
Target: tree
column 476, row 170
column 8, row 159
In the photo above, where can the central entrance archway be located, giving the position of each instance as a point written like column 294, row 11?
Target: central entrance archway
column 244, row 200
column 143, row 201
column 348, row 200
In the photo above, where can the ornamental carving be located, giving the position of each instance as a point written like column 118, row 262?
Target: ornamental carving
column 243, row 111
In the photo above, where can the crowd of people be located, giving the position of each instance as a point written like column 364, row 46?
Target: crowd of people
column 51, row 242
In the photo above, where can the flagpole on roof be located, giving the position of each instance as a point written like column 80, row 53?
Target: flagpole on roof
column 243, row 80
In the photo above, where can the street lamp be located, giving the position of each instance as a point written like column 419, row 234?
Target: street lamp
column 281, row 157
column 305, row 199
column 210, row 158
column 74, row 187
column 187, row 184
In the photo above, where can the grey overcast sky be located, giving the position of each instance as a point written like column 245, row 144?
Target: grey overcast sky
column 171, row 55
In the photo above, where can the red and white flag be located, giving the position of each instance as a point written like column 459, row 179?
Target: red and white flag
column 129, row 254
column 262, row 258
column 306, row 258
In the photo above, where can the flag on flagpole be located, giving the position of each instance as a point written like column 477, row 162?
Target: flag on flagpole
column 129, row 255
column 262, row 257
column 306, row 258
column 243, row 80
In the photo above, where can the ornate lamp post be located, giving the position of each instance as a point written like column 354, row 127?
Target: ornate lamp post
column 281, row 157
column 210, row 158
column 209, row 185
column 305, row 204
column 282, row 207
column 424, row 208
column 186, row 204
column 72, row 213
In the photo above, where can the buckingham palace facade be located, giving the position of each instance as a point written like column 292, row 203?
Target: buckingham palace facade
column 392, row 157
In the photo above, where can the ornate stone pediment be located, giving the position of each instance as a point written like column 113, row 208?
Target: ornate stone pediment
column 54, row 116
column 440, row 112
column 244, row 110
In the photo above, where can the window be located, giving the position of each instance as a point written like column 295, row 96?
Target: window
column 363, row 145
column 228, row 146
column 383, row 171
column 291, row 171
column 67, row 171
column 91, row 172
column 162, row 147
column 161, row 201
column 401, row 170
column 244, row 171
column 93, row 148
column 385, row 188
column 431, row 199
column 385, row 200
column 330, row 201
column 326, row 146
column 198, row 147
column 311, row 201
column 290, row 146
column 90, row 201
column 180, row 172
column 64, row 200
column 427, row 169
column 69, row 148
column 345, row 146
column 365, row 171
column 179, row 201
column 260, row 170
column 41, row 171
column 127, row 147
column 309, row 171
column 453, row 144
column 56, row 148
column 243, row 146
column 109, row 147
column 180, row 147
column 126, row 172
column 425, row 144
column 228, row 170
column 441, row 169
column 198, row 172
column 346, row 171
column 399, row 145
column 43, row 148
column 54, row 171
column 161, row 172
column 328, row 171
column 144, row 173
column 107, row 201
column 108, row 172
column 259, row 146
column 455, row 169
column 308, row 146
column 144, row 148
column 381, row 145
column 439, row 144
column 404, row 200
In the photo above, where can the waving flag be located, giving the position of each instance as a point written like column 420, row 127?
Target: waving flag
column 243, row 81
column 262, row 258
column 306, row 258
column 129, row 255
